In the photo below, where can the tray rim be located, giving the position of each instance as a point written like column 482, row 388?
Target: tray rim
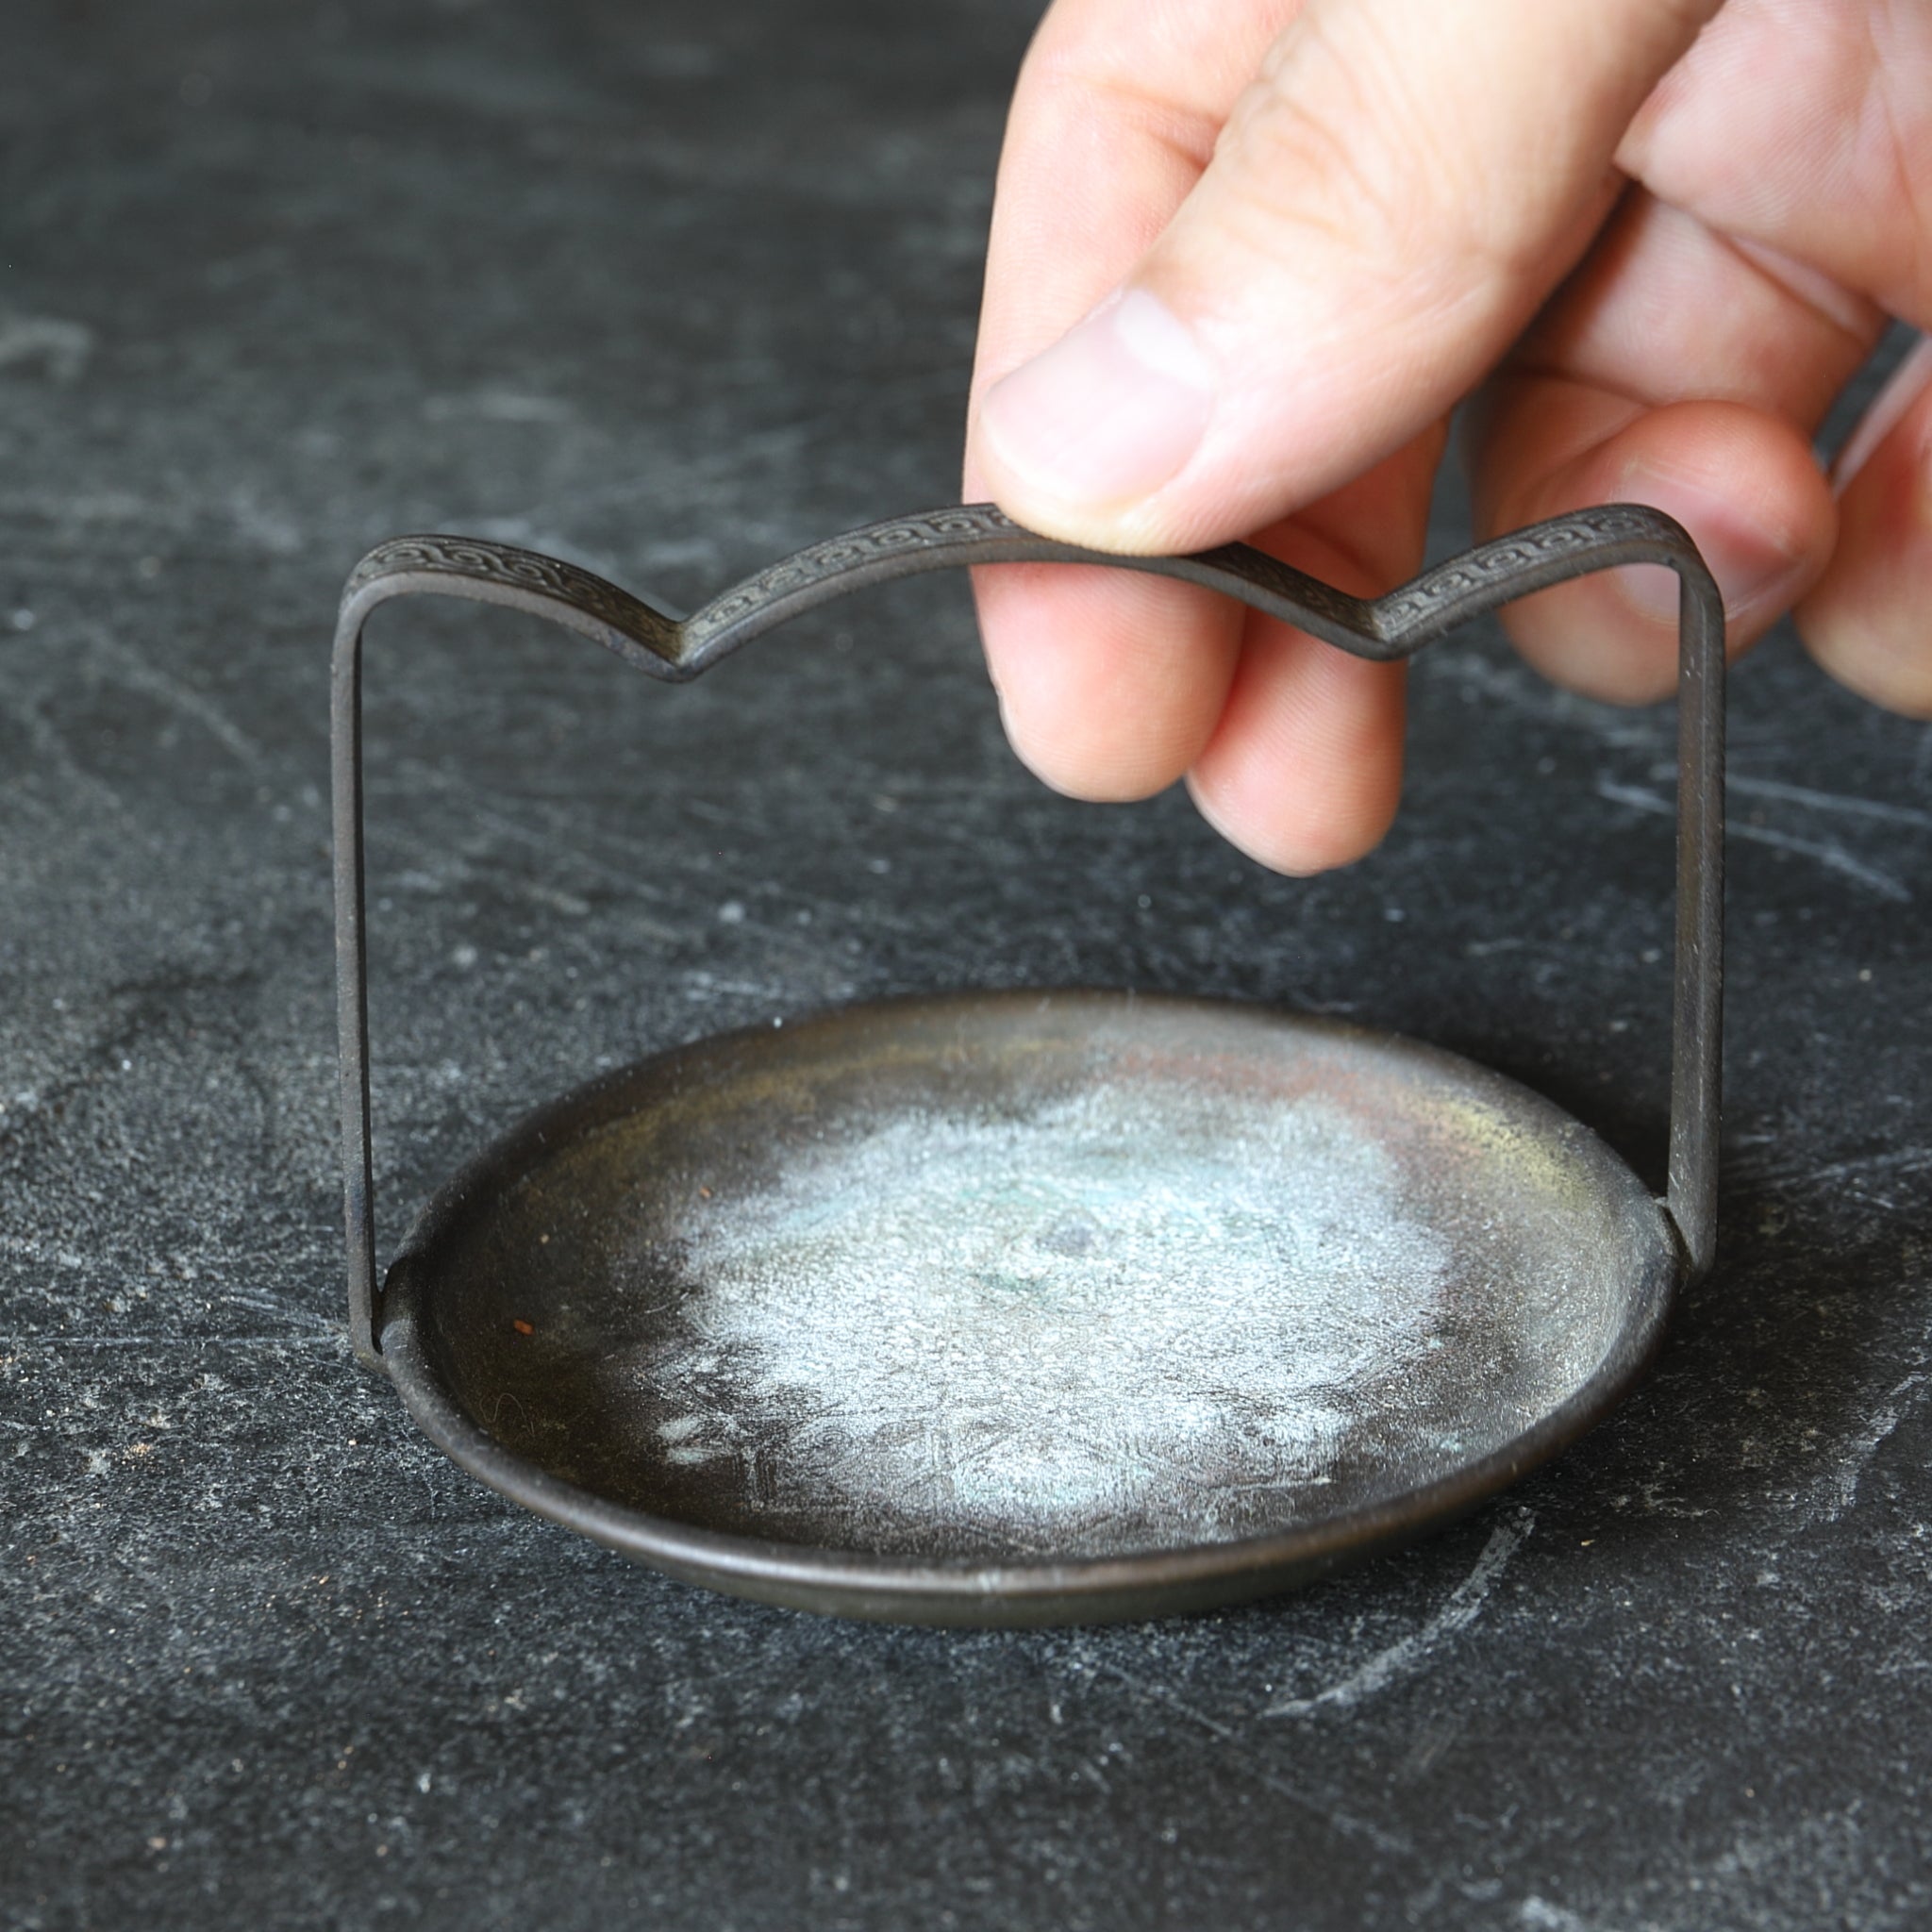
column 968, row 1590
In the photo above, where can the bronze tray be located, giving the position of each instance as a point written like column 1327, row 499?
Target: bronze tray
column 1040, row 1307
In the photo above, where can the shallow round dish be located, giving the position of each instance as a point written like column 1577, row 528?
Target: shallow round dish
column 1026, row 1308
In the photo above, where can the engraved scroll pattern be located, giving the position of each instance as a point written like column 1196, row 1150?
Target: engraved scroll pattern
column 1485, row 571
column 524, row 570
column 1391, row 627
column 973, row 525
column 938, row 530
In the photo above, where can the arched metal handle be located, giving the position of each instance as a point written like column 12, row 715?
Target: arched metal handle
column 1384, row 629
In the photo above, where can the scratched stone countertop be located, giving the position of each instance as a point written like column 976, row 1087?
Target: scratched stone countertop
column 670, row 291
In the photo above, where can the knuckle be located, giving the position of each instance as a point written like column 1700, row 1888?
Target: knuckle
column 1338, row 135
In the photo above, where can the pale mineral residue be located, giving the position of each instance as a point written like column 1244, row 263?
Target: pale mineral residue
column 1114, row 1309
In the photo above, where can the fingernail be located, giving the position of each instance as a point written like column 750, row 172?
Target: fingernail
column 1754, row 566
column 1108, row 414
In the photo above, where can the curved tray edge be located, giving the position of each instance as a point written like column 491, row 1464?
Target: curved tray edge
column 963, row 1591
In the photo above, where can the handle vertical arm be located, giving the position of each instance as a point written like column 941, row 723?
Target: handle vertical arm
column 1697, row 1022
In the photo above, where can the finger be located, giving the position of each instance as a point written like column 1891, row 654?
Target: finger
column 1109, row 685
column 1805, row 128
column 1385, row 210
column 1680, row 369
column 1114, row 118
column 1867, row 622
column 1303, row 770
column 1742, row 483
column 1112, row 685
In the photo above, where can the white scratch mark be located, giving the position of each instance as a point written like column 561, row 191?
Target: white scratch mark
column 1857, row 1175
column 1866, row 1443
column 1343, row 1822
column 1833, row 857
column 1830, row 801
column 48, row 742
column 63, row 348
column 329, row 1337
column 262, row 524
column 1463, row 1606
column 1511, row 684
column 1542, row 1916
column 141, row 674
column 1899, row 1159
column 496, row 406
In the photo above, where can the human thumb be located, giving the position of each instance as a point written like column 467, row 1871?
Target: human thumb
column 1388, row 203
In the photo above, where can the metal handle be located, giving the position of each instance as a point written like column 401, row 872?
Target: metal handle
column 1383, row 629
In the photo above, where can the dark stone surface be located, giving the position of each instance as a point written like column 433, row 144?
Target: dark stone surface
column 669, row 291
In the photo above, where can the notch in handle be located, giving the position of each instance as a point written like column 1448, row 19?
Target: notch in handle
column 1382, row 629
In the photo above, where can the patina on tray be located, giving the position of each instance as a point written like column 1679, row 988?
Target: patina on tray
column 1030, row 1277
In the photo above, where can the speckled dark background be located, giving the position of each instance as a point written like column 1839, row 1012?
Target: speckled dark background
column 670, row 290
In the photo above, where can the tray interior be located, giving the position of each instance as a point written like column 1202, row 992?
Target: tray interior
column 1032, row 1277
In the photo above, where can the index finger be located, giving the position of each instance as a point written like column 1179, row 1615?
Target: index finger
column 1114, row 119
column 1110, row 685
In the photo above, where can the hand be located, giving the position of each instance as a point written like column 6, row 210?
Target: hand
column 1300, row 234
